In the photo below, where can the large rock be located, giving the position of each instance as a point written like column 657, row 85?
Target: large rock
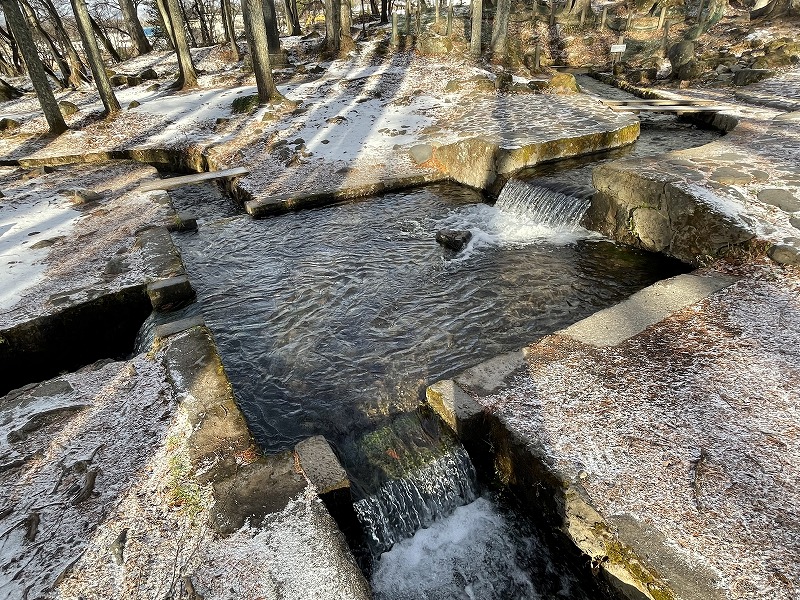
column 9, row 124
column 148, row 74
column 748, row 76
column 454, row 239
column 681, row 53
column 67, row 108
column 563, row 83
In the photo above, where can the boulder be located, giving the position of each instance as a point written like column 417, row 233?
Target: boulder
column 504, row 81
column 563, row 83
column 434, row 45
column 785, row 254
column 133, row 80
column 454, row 239
column 148, row 74
column 690, row 70
column 118, row 80
column 748, row 76
column 80, row 195
column 781, row 198
column 9, row 124
column 681, row 53
column 134, row 104
column 245, row 104
column 420, row 153
column 67, row 108
column 154, row 88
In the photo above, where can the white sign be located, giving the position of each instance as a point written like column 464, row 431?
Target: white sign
column 618, row 48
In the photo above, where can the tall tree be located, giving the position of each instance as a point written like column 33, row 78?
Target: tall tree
column 36, row 27
column 477, row 18
column 22, row 35
column 256, row 32
column 164, row 21
column 83, row 20
column 104, row 39
column 187, row 76
column 292, row 17
column 332, row 25
column 78, row 71
column 346, row 43
column 134, row 26
column 500, row 28
column 271, row 24
column 230, row 30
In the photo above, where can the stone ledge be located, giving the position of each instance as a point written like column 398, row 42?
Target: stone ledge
column 614, row 325
column 284, row 203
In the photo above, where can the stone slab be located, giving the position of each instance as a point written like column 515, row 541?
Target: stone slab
column 488, row 376
column 170, row 294
column 176, row 182
column 614, row 325
column 320, row 465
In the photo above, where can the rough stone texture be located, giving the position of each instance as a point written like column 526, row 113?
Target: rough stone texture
column 170, row 294
column 453, row 239
column 320, row 465
column 614, row 325
column 700, row 203
column 674, row 454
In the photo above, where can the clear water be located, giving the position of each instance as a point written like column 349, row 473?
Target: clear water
column 330, row 321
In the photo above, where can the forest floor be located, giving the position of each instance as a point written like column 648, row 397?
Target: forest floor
column 347, row 121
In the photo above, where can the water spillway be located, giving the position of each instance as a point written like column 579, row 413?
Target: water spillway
column 333, row 322
column 542, row 205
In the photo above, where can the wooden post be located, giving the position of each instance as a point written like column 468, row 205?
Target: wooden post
column 537, row 57
column 603, row 17
column 665, row 39
column 629, row 21
column 395, row 31
column 662, row 16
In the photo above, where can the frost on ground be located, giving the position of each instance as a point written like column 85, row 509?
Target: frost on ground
column 289, row 557
column 56, row 243
column 72, row 449
column 690, row 428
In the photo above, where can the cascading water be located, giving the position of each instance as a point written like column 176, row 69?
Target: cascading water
column 542, row 205
column 401, row 507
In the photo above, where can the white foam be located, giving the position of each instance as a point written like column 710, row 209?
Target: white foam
column 470, row 554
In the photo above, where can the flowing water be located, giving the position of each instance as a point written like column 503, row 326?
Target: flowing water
column 330, row 320
column 333, row 321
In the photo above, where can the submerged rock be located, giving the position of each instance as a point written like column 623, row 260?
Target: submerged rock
column 454, row 239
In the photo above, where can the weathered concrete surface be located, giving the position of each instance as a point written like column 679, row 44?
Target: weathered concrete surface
column 740, row 193
column 671, row 458
column 614, row 325
column 320, row 465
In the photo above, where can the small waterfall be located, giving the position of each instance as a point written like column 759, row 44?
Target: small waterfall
column 401, row 507
column 542, row 205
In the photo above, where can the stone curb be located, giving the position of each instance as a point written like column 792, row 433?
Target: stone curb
column 526, row 469
column 284, row 203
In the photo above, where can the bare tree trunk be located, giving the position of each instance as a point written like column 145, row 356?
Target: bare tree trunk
column 101, row 35
column 346, row 43
column 205, row 32
column 477, row 17
column 230, row 30
column 384, row 11
column 292, row 17
column 163, row 15
column 12, row 43
column 256, row 32
column 83, row 21
column 332, row 26
column 271, row 24
column 187, row 26
column 8, row 91
column 19, row 29
column 35, row 25
column 78, row 71
column 500, row 28
column 187, row 77
column 134, row 26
